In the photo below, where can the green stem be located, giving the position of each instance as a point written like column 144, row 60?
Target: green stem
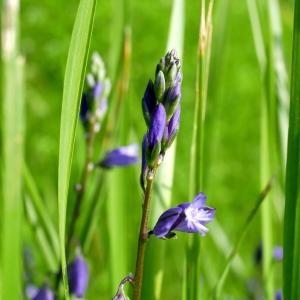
column 143, row 237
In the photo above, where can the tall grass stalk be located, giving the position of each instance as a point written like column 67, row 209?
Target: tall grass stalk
column 12, row 152
column 192, row 271
column 72, row 91
column 291, row 262
column 270, row 58
column 155, row 254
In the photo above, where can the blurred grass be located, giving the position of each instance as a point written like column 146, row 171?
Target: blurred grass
column 232, row 145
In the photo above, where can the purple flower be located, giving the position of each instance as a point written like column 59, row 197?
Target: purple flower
column 122, row 156
column 78, row 276
column 187, row 217
column 148, row 101
column 278, row 294
column 155, row 134
column 97, row 90
column 171, row 129
column 157, row 126
column 278, row 253
column 43, row 293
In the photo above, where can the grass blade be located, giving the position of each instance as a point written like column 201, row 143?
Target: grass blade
column 155, row 253
column 35, row 204
column 12, row 153
column 73, row 85
column 291, row 262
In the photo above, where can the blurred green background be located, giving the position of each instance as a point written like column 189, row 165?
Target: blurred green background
column 232, row 135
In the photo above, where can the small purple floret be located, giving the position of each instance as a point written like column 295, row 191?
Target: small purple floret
column 157, row 126
column 187, row 217
column 278, row 253
column 123, row 156
column 84, row 107
column 78, row 276
column 97, row 90
column 44, row 293
column 278, row 294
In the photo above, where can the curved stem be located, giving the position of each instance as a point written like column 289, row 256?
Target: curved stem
column 143, row 237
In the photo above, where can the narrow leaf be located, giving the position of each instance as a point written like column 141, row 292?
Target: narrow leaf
column 73, row 85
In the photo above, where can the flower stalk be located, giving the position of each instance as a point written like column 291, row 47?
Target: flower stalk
column 143, row 236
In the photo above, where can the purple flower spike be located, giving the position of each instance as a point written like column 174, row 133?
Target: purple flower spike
column 187, row 217
column 149, row 102
column 123, row 156
column 44, row 293
column 278, row 253
column 78, row 276
column 278, row 294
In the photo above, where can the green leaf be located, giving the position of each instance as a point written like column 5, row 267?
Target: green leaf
column 291, row 245
column 72, row 91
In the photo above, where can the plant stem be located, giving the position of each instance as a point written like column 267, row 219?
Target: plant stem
column 143, row 237
column 82, row 185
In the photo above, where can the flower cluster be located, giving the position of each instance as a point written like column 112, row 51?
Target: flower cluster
column 188, row 217
column 94, row 99
column 161, row 109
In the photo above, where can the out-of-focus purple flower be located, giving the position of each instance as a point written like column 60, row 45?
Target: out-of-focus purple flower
column 278, row 294
column 44, row 293
column 78, row 276
column 97, row 90
column 187, row 217
column 278, row 253
column 119, row 157
column 94, row 99
column 148, row 102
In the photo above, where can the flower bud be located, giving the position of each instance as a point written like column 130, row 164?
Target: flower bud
column 171, row 99
column 78, row 276
column 159, row 85
column 155, row 134
column 148, row 102
column 171, row 130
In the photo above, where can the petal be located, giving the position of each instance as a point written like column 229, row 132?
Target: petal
column 157, row 126
column 122, row 156
column 191, row 227
column 206, row 214
column 167, row 221
column 199, row 200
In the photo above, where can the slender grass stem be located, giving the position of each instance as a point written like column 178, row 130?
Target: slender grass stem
column 143, row 237
column 262, row 196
